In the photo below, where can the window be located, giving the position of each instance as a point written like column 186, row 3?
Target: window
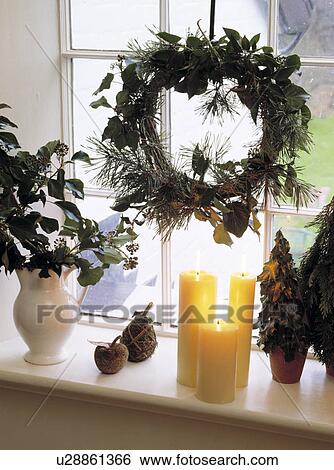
column 95, row 32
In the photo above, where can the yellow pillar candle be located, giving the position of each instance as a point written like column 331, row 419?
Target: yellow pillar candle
column 241, row 303
column 197, row 293
column 217, row 356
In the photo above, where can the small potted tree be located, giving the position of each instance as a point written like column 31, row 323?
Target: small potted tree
column 41, row 249
column 317, row 285
column 282, row 320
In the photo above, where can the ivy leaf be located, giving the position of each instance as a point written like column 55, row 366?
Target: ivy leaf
column 253, row 42
column 82, row 157
column 232, row 33
column 122, row 97
column 296, row 96
column 70, row 210
column 21, row 228
column 293, row 61
column 200, row 215
column 130, row 77
column 284, row 73
column 245, row 43
column 256, row 223
column 114, row 128
column 193, row 42
column 121, row 141
column 306, row 114
column 100, row 102
column 110, row 256
column 132, row 139
column 6, row 122
column 56, row 189
column 49, row 225
column 90, row 276
column 171, row 38
column 9, row 139
column 237, row 220
column 76, row 187
column 105, row 84
column 220, row 206
column 121, row 205
column 221, row 235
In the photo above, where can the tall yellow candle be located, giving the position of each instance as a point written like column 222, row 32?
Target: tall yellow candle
column 217, row 357
column 241, row 303
column 197, row 293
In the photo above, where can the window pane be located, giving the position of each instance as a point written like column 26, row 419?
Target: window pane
column 89, row 122
column 293, row 228
column 306, row 27
column 188, row 126
column 119, row 287
column 317, row 166
column 110, row 24
column 229, row 13
column 218, row 259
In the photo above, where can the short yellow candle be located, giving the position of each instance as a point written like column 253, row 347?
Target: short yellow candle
column 217, row 356
column 241, row 303
column 197, row 293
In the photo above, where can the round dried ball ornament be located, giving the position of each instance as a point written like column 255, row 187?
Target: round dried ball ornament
column 139, row 336
column 110, row 358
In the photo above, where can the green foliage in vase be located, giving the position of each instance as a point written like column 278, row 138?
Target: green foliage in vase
column 133, row 158
column 282, row 318
column 27, row 183
column 317, row 284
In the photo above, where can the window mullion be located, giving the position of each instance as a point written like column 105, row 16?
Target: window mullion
column 166, row 282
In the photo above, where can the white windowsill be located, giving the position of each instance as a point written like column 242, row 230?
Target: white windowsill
column 305, row 409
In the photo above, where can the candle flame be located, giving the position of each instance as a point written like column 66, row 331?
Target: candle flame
column 218, row 324
column 198, row 264
column 243, row 264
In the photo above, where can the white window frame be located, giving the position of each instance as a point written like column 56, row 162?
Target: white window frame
column 68, row 54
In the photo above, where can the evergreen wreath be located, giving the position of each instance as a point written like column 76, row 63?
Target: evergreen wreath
column 132, row 157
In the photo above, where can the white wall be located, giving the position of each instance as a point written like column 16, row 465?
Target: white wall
column 31, row 85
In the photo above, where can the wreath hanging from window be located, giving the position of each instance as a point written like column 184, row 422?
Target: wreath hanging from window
column 133, row 158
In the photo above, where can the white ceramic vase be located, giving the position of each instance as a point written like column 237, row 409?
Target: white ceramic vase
column 45, row 315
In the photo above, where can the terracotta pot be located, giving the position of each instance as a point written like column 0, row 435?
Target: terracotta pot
column 330, row 370
column 286, row 372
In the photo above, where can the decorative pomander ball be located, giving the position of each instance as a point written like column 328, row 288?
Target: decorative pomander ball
column 110, row 358
column 139, row 336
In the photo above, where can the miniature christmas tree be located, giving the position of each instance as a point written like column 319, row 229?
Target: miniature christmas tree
column 281, row 320
column 317, row 285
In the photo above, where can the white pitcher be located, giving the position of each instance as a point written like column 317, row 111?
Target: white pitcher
column 45, row 315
